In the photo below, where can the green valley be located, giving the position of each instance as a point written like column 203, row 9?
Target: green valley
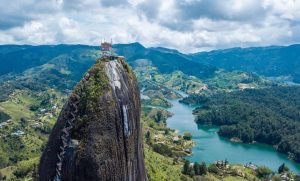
column 33, row 93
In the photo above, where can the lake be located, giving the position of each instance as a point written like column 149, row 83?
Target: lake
column 211, row 147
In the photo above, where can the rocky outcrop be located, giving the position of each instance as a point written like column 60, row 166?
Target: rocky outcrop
column 98, row 134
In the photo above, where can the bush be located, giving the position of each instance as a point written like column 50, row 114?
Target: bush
column 197, row 168
column 200, row 169
column 263, row 172
column 46, row 129
column 25, row 167
column 203, row 169
column 3, row 116
column 213, row 169
column 162, row 149
column 3, row 159
column 283, row 168
column 148, row 137
column 187, row 136
column 186, row 168
column 34, row 107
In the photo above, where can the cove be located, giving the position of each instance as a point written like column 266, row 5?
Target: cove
column 211, row 147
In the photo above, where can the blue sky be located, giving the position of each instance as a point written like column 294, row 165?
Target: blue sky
column 186, row 25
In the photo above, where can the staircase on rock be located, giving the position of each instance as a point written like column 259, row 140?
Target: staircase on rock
column 98, row 134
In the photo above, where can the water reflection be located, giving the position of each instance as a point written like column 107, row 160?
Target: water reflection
column 210, row 147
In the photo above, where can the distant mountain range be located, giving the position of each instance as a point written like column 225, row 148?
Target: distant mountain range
column 14, row 58
column 267, row 61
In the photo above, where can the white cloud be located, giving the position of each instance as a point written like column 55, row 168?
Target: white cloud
column 187, row 25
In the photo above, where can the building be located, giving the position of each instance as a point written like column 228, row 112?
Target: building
column 108, row 52
column 106, row 49
column 175, row 139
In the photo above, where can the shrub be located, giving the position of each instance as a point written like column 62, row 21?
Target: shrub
column 202, row 168
column 187, row 136
column 186, row 168
column 263, row 172
column 25, row 167
column 283, row 168
column 213, row 169
column 3, row 159
column 162, row 149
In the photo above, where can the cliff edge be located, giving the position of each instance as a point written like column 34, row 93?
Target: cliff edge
column 98, row 134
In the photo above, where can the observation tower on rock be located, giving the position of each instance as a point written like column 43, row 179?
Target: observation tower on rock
column 108, row 52
column 106, row 49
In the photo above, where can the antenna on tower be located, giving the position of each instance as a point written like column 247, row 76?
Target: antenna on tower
column 111, row 50
column 106, row 49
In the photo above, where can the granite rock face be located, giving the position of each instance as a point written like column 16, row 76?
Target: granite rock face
column 98, row 133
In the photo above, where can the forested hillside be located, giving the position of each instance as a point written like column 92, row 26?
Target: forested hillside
column 35, row 80
column 268, row 61
column 17, row 58
column 269, row 116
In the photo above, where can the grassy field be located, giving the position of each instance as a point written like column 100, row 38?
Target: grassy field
column 32, row 115
column 161, row 168
column 18, row 105
column 231, row 178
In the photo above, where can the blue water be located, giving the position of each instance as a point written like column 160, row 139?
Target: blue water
column 211, row 147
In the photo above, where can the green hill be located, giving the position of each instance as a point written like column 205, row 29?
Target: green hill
column 269, row 116
column 268, row 61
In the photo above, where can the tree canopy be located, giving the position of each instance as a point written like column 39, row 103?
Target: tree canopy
column 269, row 116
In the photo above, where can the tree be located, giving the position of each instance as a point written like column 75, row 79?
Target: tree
column 148, row 137
column 162, row 149
column 158, row 116
column 203, row 168
column 3, row 159
column 283, row 168
column 213, row 169
column 23, row 122
column 197, row 168
column 186, row 167
column 200, row 169
column 263, row 172
column 187, row 136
